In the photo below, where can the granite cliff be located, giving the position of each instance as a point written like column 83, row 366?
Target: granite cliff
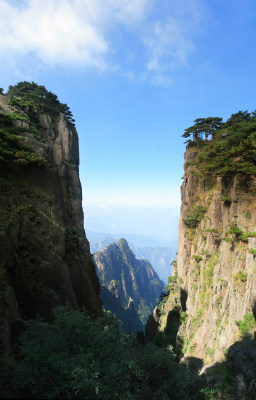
column 45, row 258
column 216, row 260
column 209, row 312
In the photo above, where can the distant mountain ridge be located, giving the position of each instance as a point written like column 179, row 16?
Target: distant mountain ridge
column 144, row 247
column 137, row 240
column 128, row 279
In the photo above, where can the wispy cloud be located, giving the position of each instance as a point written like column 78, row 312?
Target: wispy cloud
column 80, row 32
column 169, row 42
column 168, row 46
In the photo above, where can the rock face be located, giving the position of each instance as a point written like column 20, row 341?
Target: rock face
column 128, row 278
column 129, row 322
column 45, row 258
column 216, row 264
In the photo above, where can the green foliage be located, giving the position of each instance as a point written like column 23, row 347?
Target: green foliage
column 240, row 277
column 211, row 230
column 13, row 150
column 210, row 352
column 232, row 149
column 190, row 233
column 208, row 393
column 246, row 235
column 227, row 200
column 203, row 126
column 172, row 282
column 247, row 325
column 143, row 311
column 75, row 357
column 71, row 230
column 252, row 251
column 228, row 240
column 197, row 319
column 195, row 217
column 197, row 258
column 34, row 98
column 208, row 274
column 238, row 234
column 214, row 260
column 235, row 230
column 184, row 317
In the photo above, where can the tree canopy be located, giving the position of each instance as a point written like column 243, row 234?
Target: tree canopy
column 203, row 127
column 38, row 97
column 232, row 148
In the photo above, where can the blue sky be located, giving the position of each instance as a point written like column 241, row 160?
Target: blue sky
column 135, row 74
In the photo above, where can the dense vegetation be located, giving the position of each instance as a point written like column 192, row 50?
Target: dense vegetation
column 232, row 148
column 34, row 98
column 29, row 100
column 75, row 357
column 13, row 150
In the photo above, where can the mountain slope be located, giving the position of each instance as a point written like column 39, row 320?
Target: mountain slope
column 159, row 257
column 128, row 278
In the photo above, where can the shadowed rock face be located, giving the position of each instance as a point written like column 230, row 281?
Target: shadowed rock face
column 44, row 251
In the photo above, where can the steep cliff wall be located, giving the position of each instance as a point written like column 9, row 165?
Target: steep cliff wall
column 216, row 261
column 45, row 258
column 215, row 286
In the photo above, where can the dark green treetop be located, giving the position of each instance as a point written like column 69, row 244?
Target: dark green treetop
column 240, row 116
column 203, row 127
column 232, row 148
column 31, row 95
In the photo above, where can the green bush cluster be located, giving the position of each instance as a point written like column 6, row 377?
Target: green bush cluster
column 238, row 234
column 75, row 357
column 247, row 325
column 195, row 217
column 184, row 317
column 197, row 257
column 13, row 150
column 232, row 146
column 33, row 99
column 240, row 277
column 227, row 200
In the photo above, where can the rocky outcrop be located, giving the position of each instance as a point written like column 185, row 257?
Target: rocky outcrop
column 216, row 264
column 216, row 261
column 45, row 258
column 128, row 278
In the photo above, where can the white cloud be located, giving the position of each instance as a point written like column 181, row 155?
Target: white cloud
column 168, row 46
column 81, row 32
column 169, row 42
column 53, row 31
column 64, row 31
